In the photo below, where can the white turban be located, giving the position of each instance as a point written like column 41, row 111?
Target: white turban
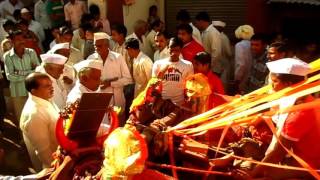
column 244, row 32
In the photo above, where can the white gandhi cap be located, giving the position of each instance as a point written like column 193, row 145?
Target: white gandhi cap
column 53, row 58
column 24, row 10
column 219, row 23
column 59, row 46
column 289, row 66
column 90, row 63
column 100, row 35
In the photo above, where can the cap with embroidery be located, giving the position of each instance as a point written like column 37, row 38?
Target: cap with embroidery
column 101, row 35
column 58, row 46
column 24, row 10
column 289, row 66
column 53, row 58
column 219, row 23
column 90, row 63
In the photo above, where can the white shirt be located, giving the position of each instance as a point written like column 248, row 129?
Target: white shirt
column 7, row 9
column 75, row 56
column 165, row 53
column 41, row 15
column 279, row 120
column 196, row 34
column 73, row 12
column 36, row 27
column 38, row 124
column 77, row 42
column 123, row 51
column 174, row 78
column 211, row 41
column 150, row 45
column 115, row 67
column 77, row 92
column 243, row 62
column 142, row 69
column 59, row 92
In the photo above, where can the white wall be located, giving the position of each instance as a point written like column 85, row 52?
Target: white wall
column 140, row 10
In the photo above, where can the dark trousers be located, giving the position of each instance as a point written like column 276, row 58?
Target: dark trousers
column 2, row 108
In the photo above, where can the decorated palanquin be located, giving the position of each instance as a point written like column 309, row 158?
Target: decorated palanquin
column 182, row 136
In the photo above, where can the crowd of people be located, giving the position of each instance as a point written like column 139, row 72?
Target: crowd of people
column 52, row 53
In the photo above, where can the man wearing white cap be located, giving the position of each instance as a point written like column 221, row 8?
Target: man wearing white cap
column 53, row 65
column 115, row 73
column 34, row 26
column 68, row 76
column 298, row 130
column 226, row 52
column 38, row 120
column 89, row 73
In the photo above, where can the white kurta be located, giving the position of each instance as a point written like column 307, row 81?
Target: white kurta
column 279, row 120
column 243, row 62
column 115, row 67
column 196, row 34
column 142, row 69
column 60, row 93
column 77, row 92
column 150, row 45
column 38, row 123
column 161, row 54
column 211, row 42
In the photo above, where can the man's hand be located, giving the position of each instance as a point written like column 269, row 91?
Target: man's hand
column 67, row 80
column 65, row 170
column 107, row 83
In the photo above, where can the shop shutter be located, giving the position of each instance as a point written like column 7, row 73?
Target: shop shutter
column 233, row 12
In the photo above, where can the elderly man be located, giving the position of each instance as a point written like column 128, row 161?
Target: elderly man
column 89, row 73
column 140, row 29
column 68, row 75
column 142, row 65
column 211, row 40
column 53, row 65
column 115, row 73
column 38, row 120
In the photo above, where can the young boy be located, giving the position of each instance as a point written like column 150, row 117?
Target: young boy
column 202, row 64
